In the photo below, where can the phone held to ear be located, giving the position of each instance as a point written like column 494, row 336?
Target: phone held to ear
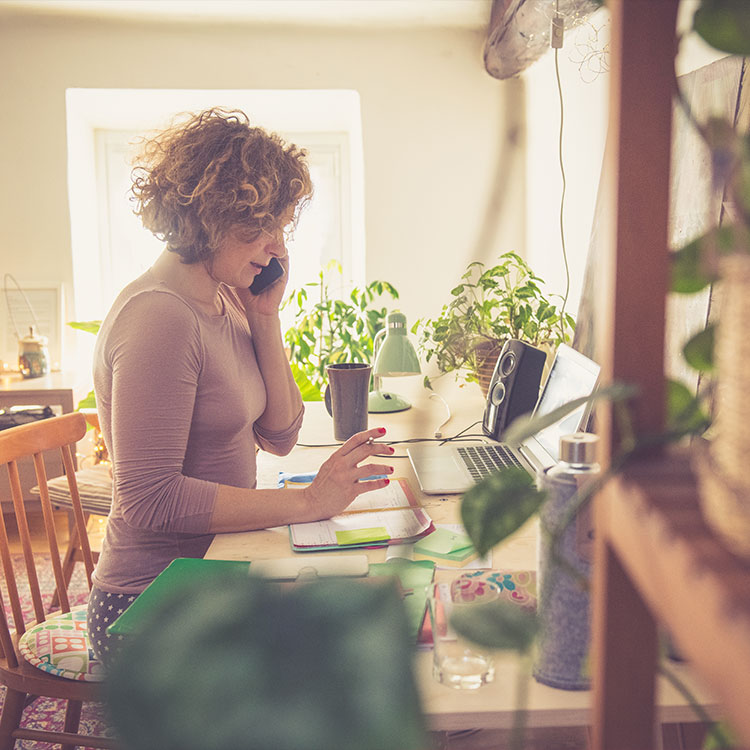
column 274, row 270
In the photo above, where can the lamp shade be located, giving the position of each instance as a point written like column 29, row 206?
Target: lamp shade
column 396, row 355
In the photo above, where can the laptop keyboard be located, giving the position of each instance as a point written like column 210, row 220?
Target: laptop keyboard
column 483, row 460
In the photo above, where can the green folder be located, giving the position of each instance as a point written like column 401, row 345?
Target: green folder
column 179, row 572
column 414, row 577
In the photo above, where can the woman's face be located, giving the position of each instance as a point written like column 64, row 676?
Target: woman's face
column 243, row 252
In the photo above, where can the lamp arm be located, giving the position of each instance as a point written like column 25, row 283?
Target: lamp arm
column 376, row 342
column 379, row 336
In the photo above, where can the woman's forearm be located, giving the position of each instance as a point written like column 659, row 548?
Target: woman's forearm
column 246, row 510
column 283, row 397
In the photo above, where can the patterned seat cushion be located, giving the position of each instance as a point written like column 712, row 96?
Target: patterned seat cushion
column 60, row 646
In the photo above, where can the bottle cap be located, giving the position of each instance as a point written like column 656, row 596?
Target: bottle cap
column 579, row 448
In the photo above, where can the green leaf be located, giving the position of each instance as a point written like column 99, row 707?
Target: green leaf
column 685, row 415
column 498, row 625
column 699, row 351
column 524, row 427
column 308, row 389
column 690, row 270
column 87, row 402
column 90, row 326
column 721, row 736
column 725, row 25
column 279, row 668
column 499, row 505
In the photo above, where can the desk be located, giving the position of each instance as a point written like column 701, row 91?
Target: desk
column 492, row 706
column 58, row 390
column 55, row 389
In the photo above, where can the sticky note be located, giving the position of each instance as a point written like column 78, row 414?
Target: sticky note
column 443, row 542
column 362, row 536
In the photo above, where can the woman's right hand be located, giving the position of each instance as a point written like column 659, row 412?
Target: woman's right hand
column 337, row 481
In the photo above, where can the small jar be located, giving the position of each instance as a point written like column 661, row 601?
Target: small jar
column 33, row 355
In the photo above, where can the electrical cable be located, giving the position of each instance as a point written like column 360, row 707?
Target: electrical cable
column 564, row 187
column 10, row 307
column 439, row 430
column 458, row 436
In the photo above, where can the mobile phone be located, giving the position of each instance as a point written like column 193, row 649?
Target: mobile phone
column 274, row 270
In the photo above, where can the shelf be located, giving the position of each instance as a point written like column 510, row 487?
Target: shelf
column 690, row 582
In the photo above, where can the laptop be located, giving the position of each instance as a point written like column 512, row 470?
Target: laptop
column 455, row 467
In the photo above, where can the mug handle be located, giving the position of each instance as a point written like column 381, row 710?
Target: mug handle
column 327, row 399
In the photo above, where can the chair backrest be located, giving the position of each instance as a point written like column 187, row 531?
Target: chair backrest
column 31, row 441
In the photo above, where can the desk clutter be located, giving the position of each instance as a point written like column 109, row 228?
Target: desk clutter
column 414, row 578
column 390, row 515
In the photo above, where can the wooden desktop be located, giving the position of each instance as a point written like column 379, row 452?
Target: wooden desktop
column 492, row 706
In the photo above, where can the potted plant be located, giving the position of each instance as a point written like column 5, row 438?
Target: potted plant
column 490, row 305
column 329, row 329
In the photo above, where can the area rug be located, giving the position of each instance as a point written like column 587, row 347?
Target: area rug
column 48, row 713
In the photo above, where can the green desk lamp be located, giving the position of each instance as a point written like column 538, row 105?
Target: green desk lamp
column 394, row 357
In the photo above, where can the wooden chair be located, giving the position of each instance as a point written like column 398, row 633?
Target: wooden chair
column 23, row 680
column 95, row 491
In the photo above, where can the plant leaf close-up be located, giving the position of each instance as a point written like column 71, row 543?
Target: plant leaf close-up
column 497, row 625
column 499, row 505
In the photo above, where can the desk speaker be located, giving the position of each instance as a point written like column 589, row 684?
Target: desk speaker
column 514, row 388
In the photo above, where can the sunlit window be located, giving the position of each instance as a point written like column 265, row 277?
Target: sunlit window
column 110, row 246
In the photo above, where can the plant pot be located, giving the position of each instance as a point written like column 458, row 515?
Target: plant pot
column 486, row 354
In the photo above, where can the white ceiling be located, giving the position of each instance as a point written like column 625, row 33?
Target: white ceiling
column 471, row 14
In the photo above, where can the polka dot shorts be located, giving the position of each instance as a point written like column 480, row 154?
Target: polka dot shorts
column 104, row 608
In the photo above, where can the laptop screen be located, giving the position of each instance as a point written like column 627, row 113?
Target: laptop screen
column 572, row 376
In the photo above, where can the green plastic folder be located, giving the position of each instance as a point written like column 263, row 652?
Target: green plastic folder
column 414, row 578
column 177, row 574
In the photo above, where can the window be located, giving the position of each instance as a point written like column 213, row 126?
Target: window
column 110, row 246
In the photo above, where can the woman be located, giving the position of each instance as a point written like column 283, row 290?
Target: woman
column 190, row 372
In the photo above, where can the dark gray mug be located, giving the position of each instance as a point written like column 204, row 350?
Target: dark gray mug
column 346, row 397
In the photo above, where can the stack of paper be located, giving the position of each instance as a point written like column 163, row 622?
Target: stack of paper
column 389, row 515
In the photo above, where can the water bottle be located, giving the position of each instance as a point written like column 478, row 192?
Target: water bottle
column 564, row 567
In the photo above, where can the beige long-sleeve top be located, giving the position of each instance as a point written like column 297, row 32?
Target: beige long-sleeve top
column 178, row 393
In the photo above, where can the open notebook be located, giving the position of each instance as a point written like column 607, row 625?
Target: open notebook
column 390, row 515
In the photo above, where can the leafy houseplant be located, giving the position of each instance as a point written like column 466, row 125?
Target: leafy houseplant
column 328, row 329
column 490, row 305
column 319, row 665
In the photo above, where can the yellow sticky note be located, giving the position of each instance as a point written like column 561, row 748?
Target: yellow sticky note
column 362, row 536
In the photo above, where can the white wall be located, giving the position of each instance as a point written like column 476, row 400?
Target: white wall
column 584, row 127
column 437, row 131
column 585, row 96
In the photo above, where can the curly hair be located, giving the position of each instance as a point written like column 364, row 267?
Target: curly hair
column 195, row 181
